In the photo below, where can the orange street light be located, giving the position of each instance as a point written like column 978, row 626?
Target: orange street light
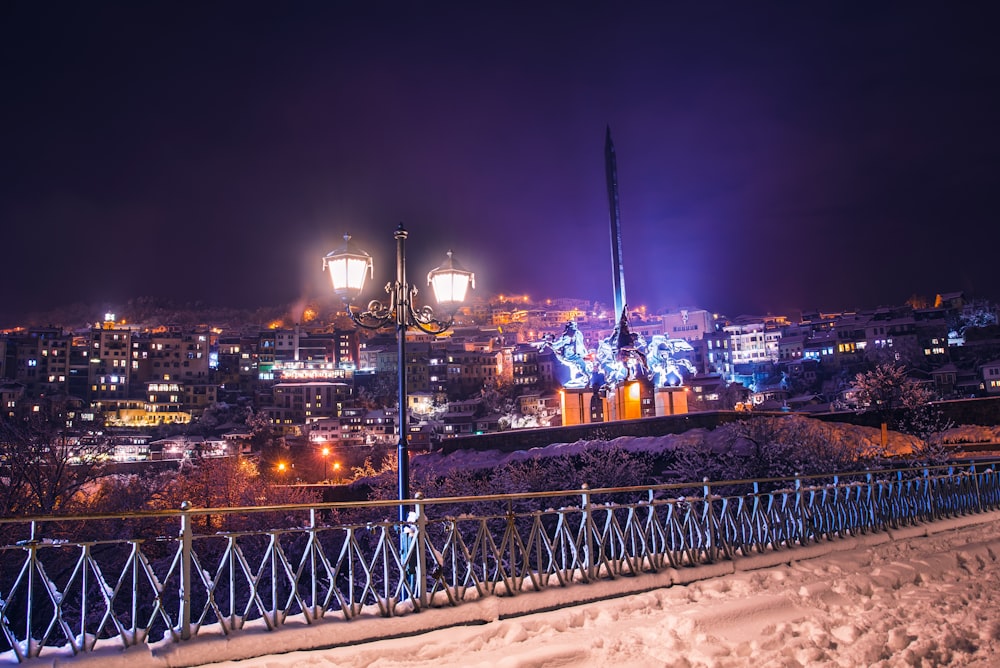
column 326, row 453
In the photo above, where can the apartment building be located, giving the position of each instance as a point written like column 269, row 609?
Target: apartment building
column 296, row 403
column 469, row 370
column 749, row 343
column 525, row 365
column 689, row 324
column 109, row 369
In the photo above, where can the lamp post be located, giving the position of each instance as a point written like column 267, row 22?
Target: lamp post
column 348, row 267
column 326, row 454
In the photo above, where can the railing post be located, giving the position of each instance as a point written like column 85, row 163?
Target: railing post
column 899, row 501
column 801, row 504
column 29, row 606
column 928, row 500
column 590, row 567
column 756, row 497
column 314, row 592
column 231, row 551
column 273, row 549
column 975, row 483
column 512, row 563
column 833, row 513
column 184, row 614
column 953, row 500
column 419, row 539
column 870, row 480
column 654, row 547
column 710, row 547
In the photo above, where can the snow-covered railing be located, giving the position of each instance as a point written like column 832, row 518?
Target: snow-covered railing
column 70, row 584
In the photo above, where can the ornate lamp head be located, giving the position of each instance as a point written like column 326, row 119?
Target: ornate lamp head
column 451, row 282
column 348, row 266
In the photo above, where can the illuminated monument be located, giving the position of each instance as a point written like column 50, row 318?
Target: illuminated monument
column 626, row 377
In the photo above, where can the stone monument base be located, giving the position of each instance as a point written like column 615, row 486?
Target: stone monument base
column 671, row 401
column 576, row 405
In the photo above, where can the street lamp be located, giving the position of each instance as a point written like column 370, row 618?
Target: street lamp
column 326, row 453
column 348, row 266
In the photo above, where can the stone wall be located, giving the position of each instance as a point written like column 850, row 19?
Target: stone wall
column 525, row 439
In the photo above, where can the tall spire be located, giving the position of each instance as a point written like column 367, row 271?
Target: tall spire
column 618, row 268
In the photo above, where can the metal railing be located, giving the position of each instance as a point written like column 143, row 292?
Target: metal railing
column 68, row 584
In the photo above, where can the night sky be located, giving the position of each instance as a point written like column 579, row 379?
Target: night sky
column 770, row 157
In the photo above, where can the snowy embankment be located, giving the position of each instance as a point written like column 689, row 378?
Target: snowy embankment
column 898, row 599
column 436, row 463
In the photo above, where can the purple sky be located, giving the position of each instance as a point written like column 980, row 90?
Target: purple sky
column 810, row 155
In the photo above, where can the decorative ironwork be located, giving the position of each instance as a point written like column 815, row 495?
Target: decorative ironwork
column 400, row 310
column 66, row 587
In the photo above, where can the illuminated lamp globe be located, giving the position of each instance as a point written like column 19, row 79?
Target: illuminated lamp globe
column 348, row 266
column 450, row 283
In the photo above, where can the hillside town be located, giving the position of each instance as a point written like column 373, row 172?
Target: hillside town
column 162, row 391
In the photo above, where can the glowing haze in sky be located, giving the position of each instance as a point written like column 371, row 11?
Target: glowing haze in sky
column 808, row 155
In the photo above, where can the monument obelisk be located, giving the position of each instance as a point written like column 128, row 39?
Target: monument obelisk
column 618, row 268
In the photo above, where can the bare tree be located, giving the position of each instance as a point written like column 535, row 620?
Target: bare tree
column 887, row 391
column 772, row 447
column 380, row 392
column 44, row 470
column 498, row 396
column 228, row 482
column 265, row 442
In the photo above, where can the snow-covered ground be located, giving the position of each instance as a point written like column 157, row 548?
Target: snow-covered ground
column 889, row 600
